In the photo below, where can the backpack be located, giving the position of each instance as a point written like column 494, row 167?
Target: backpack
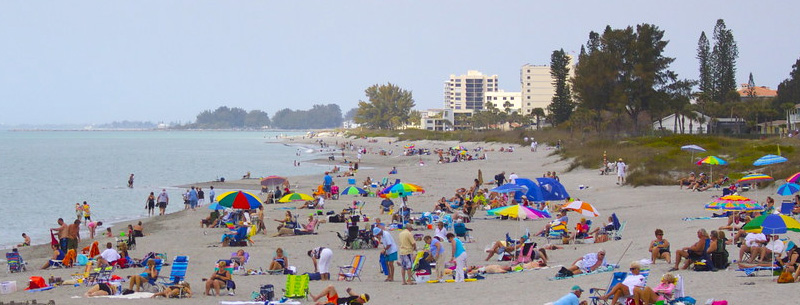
column 266, row 292
column 703, row 265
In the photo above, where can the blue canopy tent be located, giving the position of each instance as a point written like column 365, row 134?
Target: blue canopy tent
column 534, row 193
column 552, row 190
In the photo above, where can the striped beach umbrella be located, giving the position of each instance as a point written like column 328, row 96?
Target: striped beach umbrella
column 295, row 197
column 712, row 160
column 582, row 207
column 352, row 190
column 753, row 178
column 409, row 146
column 769, row 159
column 772, row 224
column 794, row 178
column 788, row 189
column 400, row 190
column 239, row 200
column 518, row 211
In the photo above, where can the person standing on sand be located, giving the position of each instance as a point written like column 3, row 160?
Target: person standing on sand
column 201, row 196
column 408, row 248
column 130, row 181
column 163, row 200
column 459, row 256
column 327, row 181
column 193, row 198
column 389, row 249
column 321, row 258
column 621, row 171
column 61, row 232
column 73, row 234
column 211, row 195
column 87, row 214
column 150, row 204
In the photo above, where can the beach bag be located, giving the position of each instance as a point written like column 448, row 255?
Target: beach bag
column 267, row 292
column 564, row 272
column 229, row 284
column 316, row 276
column 703, row 265
column 785, row 277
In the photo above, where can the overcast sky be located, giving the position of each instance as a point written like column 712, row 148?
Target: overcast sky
column 102, row 61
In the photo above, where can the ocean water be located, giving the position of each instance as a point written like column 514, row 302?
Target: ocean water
column 44, row 173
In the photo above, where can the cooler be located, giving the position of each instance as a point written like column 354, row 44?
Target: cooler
column 8, row 287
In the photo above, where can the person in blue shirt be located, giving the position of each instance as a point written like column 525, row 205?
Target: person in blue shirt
column 437, row 252
column 572, row 298
column 326, row 185
column 459, row 256
column 193, row 198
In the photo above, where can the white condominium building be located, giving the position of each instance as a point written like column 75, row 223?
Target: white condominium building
column 500, row 98
column 467, row 93
column 537, row 86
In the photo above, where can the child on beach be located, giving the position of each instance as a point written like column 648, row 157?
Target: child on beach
column 26, row 240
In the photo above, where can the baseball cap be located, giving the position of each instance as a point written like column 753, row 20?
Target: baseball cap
column 577, row 288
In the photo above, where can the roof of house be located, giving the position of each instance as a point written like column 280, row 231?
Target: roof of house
column 758, row 91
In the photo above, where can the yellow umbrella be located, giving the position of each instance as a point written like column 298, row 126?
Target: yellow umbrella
column 296, row 197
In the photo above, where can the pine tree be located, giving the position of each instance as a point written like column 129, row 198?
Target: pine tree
column 751, row 86
column 789, row 89
column 723, row 57
column 703, row 56
column 561, row 107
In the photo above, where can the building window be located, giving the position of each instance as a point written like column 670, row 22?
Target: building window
column 512, row 98
column 529, row 77
column 529, row 90
column 504, row 98
column 495, row 98
column 529, row 84
column 529, row 104
column 529, row 71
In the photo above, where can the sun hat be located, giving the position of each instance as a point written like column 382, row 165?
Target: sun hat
column 577, row 288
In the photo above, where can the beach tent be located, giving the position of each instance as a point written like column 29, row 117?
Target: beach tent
column 552, row 190
column 534, row 193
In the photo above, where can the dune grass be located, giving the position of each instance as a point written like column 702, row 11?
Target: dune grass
column 653, row 160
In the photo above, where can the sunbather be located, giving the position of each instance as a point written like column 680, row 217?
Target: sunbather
column 150, row 274
column 101, row 289
column 332, row 297
column 182, row 289
column 659, row 248
column 57, row 256
column 694, row 252
column 686, row 181
column 626, row 288
column 501, row 246
column 279, row 261
column 589, row 262
column 753, row 243
column 219, row 279
column 238, row 258
column 646, row 295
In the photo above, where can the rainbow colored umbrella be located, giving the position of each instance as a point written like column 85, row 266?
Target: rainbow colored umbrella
column 747, row 206
column 712, row 160
column 794, row 178
column 296, row 197
column 352, row 190
column 753, row 178
column 408, row 146
column 400, row 190
column 239, row 200
column 518, row 211
column 734, row 199
column 772, row 224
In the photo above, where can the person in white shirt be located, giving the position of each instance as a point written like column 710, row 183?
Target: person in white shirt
column 108, row 256
column 512, row 178
column 752, row 244
column 774, row 247
column 621, row 171
column 624, row 289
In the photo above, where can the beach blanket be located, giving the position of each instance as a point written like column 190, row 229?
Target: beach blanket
column 608, row 268
column 698, row 218
column 135, row 295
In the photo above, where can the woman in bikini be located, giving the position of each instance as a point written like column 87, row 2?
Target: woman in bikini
column 138, row 280
column 101, row 289
column 659, row 247
column 279, row 262
column 219, row 279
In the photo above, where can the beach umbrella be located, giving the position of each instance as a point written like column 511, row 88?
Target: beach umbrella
column 519, row 212
column 508, row 188
column 272, row 181
column 352, row 190
column 295, row 197
column 400, row 190
column 734, row 203
column 769, row 159
column 239, row 200
column 712, row 160
column 788, row 189
column 693, row 149
column 772, row 224
column 216, row 206
column 753, row 178
column 794, row 178
column 409, row 146
column 582, row 207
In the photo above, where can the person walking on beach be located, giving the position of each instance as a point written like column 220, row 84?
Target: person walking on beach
column 130, row 181
column 621, row 171
column 211, row 195
column 150, row 204
column 78, row 210
column 201, row 196
column 459, row 256
column 327, row 181
column 185, row 196
column 408, row 248
column 163, row 200
column 193, row 198
column 87, row 214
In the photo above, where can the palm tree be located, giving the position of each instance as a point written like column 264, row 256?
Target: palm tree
column 538, row 113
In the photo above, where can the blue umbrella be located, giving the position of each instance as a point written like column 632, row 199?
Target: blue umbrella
column 769, row 159
column 788, row 189
column 508, row 188
column 216, row 206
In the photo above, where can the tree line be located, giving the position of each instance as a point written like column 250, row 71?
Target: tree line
column 319, row 116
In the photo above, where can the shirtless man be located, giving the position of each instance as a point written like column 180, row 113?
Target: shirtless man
column 692, row 253
column 61, row 232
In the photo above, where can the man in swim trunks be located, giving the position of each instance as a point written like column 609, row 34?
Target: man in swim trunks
column 163, row 200
column 332, row 297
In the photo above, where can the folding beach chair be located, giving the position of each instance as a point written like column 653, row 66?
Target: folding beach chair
column 352, row 271
column 178, row 271
column 558, row 231
column 99, row 275
column 15, row 262
column 617, row 278
column 296, row 286
column 66, row 262
column 246, row 259
column 230, row 285
column 80, row 277
column 349, row 242
column 786, row 207
column 92, row 250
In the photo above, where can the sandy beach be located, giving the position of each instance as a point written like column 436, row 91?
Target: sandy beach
column 644, row 209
